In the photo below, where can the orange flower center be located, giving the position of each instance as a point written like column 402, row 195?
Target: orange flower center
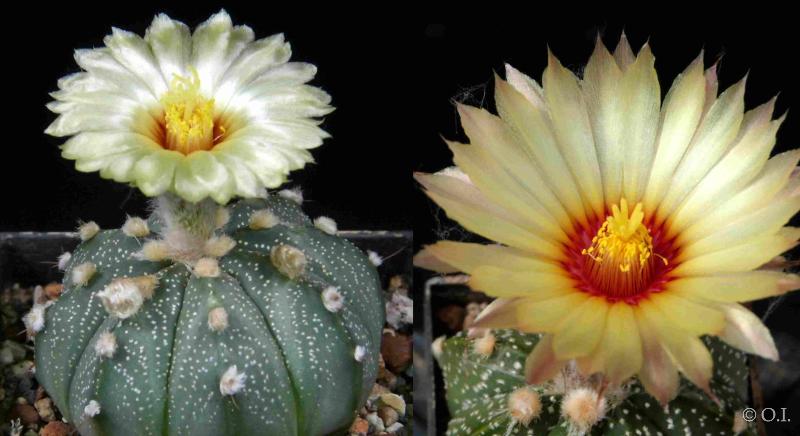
column 620, row 257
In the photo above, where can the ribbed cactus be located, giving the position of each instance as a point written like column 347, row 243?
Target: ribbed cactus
column 207, row 320
column 487, row 395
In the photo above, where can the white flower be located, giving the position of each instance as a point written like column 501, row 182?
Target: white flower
column 232, row 381
column 210, row 113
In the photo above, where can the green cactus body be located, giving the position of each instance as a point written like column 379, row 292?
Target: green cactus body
column 307, row 368
column 479, row 386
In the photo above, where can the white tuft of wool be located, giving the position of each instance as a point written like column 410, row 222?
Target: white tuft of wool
column 39, row 297
column 106, row 345
column 92, row 409
column 206, row 267
column 484, row 345
column 34, row 320
column 524, row 405
column 122, row 297
column 375, row 258
column 83, row 273
column 63, row 260
column 222, row 217
column 399, row 310
column 218, row 319
column 262, row 219
column 135, row 227
column 294, row 194
column 332, row 299
column 154, row 251
column 327, row 225
column 583, row 408
column 232, row 381
column 88, row 230
column 147, row 285
column 360, row 353
column 288, row 260
column 218, row 246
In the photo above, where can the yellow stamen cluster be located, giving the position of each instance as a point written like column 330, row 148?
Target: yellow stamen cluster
column 622, row 240
column 188, row 116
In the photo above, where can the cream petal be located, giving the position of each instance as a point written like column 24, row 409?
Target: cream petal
column 261, row 61
column 641, row 97
column 200, row 175
column 154, row 174
column 106, row 73
column 542, row 316
column 171, row 44
column 215, row 45
column 621, row 338
column 534, row 130
column 693, row 316
column 580, row 332
column 601, row 86
column 623, row 54
column 90, row 145
column 736, row 287
column 680, row 116
column 246, row 183
column 734, row 171
column 491, row 135
column 714, row 137
column 500, row 282
column 467, row 257
column 426, row 260
column 526, row 86
column 266, row 163
column 760, row 192
column 658, row 374
column 711, row 87
column 499, row 314
column 573, row 131
column 541, row 365
column 744, row 257
column 132, row 52
column 746, row 332
column 465, row 203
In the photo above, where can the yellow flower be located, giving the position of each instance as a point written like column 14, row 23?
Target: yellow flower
column 210, row 113
column 627, row 227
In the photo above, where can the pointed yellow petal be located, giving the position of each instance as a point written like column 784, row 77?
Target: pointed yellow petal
column 641, row 97
column 542, row 316
column 691, row 315
column 542, row 365
column 621, row 338
column 427, row 260
column 573, row 131
column 499, row 314
column 601, row 87
column 747, row 333
column 714, row 137
column 526, row 86
column 744, row 257
column 466, row 257
column 536, row 134
column 680, row 115
column 464, row 203
column 736, row 287
column 500, row 282
column 658, row 374
column 579, row 333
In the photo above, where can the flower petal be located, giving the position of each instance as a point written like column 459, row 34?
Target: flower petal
column 502, row 282
column 747, row 333
column 171, row 44
column 658, row 374
column 621, row 338
column 154, row 174
column 579, row 333
column 467, row 257
column 540, row 314
column 736, row 287
column 691, row 315
column 132, row 52
column 215, row 45
column 542, row 364
column 200, row 175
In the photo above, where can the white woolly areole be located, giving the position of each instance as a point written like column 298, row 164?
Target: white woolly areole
column 135, row 227
column 232, row 381
column 92, row 409
column 360, row 353
column 375, row 258
column 207, row 267
column 288, row 260
column 524, row 405
column 399, row 310
column 327, row 225
column 294, row 194
column 484, row 345
column 122, row 297
column 154, row 251
column 583, row 408
column 34, row 320
column 63, row 260
column 218, row 246
column 222, row 217
column 218, row 319
column 147, row 285
column 88, row 230
column 332, row 299
column 106, row 345
column 82, row 273
column 262, row 219
column 437, row 346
